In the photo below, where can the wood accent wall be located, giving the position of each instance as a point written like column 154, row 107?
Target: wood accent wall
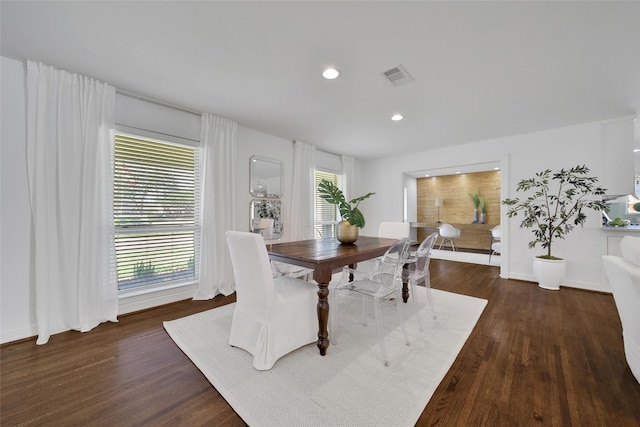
column 457, row 205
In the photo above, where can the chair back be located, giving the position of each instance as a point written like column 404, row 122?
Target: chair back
column 448, row 230
column 251, row 270
column 394, row 230
column 423, row 255
column 389, row 272
column 496, row 232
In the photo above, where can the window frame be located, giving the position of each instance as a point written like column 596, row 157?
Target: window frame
column 195, row 228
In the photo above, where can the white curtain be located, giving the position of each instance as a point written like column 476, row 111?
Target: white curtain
column 218, row 142
column 303, row 194
column 70, row 122
column 348, row 171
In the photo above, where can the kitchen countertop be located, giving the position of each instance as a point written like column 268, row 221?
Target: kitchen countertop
column 633, row 227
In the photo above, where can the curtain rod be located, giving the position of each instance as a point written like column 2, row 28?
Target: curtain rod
column 155, row 101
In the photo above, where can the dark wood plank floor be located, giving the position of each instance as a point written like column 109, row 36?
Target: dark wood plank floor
column 535, row 358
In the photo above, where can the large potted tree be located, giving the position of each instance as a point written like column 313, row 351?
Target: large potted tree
column 554, row 207
column 352, row 217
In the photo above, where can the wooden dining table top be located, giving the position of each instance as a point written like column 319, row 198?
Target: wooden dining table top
column 329, row 252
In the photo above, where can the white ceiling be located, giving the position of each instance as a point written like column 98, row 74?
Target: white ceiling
column 482, row 69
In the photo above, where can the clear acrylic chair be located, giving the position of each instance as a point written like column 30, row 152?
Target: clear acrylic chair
column 384, row 284
column 417, row 271
column 284, row 269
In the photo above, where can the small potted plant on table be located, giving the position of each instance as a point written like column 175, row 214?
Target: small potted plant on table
column 352, row 217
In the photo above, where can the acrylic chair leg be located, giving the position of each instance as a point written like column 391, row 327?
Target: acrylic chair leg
column 378, row 316
column 364, row 311
column 402, row 325
column 427, row 285
column 415, row 304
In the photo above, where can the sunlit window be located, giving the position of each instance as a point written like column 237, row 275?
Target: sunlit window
column 156, row 212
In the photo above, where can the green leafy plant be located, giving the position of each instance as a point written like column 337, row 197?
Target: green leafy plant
column 143, row 270
column 556, row 205
column 483, row 205
column 348, row 210
column 475, row 198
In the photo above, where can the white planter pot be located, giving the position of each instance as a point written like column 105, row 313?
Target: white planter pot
column 549, row 272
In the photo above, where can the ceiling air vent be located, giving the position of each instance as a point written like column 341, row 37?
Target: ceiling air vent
column 397, row 76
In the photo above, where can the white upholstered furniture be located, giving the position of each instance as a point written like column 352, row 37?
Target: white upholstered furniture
column 273, row 316
column 388, row 230
column 394, row 230
column 623, row 274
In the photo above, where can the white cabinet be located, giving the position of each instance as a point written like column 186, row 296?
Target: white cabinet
column 613, row 236
column 613, row 245
column 611, row 239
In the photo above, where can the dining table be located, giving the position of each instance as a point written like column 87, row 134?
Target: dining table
column 326, row 256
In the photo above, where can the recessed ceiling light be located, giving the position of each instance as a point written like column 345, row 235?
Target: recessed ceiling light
column 496, row 169
column 330, row 73
column 397, row 117
column 635, row 150
column 426, row 176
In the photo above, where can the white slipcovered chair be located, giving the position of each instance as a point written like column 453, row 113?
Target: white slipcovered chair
column 448, row 232
column 273, row 316
column 623, row 274
column 394, row 230
column 387, row 230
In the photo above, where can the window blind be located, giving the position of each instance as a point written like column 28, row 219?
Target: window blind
column 156, row 211
column 326, row 215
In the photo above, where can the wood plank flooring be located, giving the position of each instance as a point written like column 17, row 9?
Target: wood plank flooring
column 535, row 358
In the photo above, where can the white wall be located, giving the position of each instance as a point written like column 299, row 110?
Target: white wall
column 521, row 156
column 252, row 143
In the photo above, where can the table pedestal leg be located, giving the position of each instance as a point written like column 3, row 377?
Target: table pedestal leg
column 323, row 278
column 323, row 317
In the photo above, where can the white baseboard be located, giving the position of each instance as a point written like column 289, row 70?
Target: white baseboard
column 589, row 286
column 18, row 334
column 126, row 304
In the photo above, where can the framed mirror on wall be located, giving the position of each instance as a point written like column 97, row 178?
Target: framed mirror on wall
column 266, row 177
column 266, row 218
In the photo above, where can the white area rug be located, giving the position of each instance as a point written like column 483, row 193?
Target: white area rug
column 349, row 386
column 469, row 257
